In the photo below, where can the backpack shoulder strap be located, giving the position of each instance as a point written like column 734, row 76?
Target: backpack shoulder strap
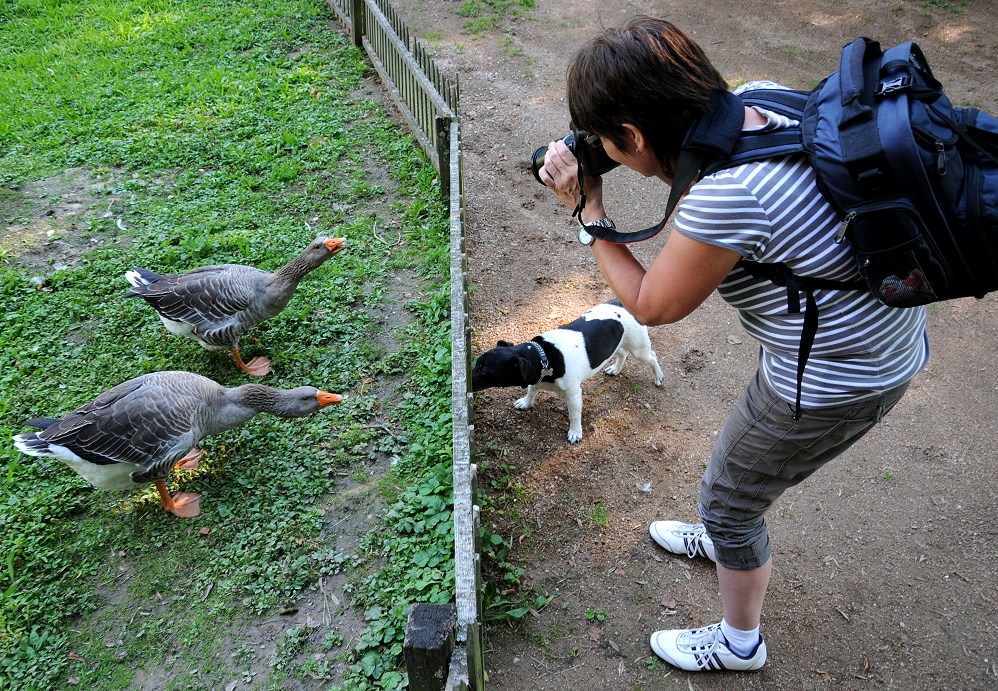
column 759, row 146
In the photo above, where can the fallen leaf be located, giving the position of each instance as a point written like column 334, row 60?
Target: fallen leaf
column 73, row 656
column 205, row 530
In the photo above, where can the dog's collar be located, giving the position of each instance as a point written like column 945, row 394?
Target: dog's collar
column 546, row 370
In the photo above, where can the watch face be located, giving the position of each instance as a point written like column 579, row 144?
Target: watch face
column 585, row 238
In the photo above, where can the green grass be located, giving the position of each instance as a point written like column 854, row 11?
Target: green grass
column 491, row 15
column 211, row 132
column 951, row 5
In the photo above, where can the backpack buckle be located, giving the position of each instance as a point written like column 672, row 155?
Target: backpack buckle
column 892, row 85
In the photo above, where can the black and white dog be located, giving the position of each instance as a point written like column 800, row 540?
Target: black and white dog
column 561, row 359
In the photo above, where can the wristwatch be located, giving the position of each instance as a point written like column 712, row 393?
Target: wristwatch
column 585, row 238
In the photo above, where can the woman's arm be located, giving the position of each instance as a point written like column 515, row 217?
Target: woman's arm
column 680, row 278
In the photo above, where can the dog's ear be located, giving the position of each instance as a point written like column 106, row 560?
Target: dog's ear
column 504, row 344
column 525, row 371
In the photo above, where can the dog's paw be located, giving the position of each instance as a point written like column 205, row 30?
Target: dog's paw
column 574, row 436
column 522, row 403
column 659, row 380
column 612, row 370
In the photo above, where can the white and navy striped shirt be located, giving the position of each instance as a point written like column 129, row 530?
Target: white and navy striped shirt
column 772, row 211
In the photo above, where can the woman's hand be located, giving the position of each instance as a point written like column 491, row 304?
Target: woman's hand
column 560, row 172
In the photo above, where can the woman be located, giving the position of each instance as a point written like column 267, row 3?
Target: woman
column 640, row 89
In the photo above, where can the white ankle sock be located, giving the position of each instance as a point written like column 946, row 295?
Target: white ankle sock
column 741, row 642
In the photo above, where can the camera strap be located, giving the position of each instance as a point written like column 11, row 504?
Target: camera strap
column 711, row 138
column 582, row 196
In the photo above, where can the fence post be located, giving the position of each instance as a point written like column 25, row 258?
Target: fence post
column 429, row 642
column 357, row 28
column 442, row 125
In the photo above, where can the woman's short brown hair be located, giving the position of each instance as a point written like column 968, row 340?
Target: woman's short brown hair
column 647, row 73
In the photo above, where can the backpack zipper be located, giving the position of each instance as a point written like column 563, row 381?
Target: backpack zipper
column 940, row 158
column 939, row 145
column 841, row 232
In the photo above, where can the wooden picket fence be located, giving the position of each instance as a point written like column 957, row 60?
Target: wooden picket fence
column 427, row 99
column 443, row 647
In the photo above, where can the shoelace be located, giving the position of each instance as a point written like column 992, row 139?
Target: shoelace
column 705, row 638
column 693, row 539
column 702, row 643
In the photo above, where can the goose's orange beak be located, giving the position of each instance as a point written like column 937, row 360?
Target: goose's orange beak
column 334, row 245
column 328, row 398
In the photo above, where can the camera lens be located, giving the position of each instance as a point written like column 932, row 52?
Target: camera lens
column 537, row 162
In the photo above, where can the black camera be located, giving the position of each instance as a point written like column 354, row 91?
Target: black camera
column 588, row 149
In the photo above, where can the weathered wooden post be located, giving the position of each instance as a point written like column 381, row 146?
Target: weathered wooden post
column 442, row 125
column 357, row 28
column 429, row 641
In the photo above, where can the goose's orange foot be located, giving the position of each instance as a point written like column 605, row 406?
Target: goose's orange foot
column 191, row 461
column 185, row 504
column 256, row 367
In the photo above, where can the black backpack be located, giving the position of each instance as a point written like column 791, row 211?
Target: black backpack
column 913, row 178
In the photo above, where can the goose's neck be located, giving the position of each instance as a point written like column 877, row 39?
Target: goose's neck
column 239, row 404
column 255, row 397
column 295, row 270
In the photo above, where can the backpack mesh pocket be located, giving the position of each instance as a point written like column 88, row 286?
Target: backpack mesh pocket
column 894, row 254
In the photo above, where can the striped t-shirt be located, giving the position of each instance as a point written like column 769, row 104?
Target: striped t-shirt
column 772, row 211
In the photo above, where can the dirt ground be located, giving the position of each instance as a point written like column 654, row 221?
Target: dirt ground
column 884, row 567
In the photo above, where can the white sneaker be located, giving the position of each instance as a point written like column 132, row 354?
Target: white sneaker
column 703, row 650
column 683, row 538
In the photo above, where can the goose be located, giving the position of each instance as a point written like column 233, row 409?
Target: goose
column 135, row 433
column 217, row 304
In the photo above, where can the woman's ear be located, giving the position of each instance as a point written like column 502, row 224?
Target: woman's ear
column 635, row 138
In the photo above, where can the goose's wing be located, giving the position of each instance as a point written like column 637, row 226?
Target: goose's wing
column 140, row 422
column 205, row 297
